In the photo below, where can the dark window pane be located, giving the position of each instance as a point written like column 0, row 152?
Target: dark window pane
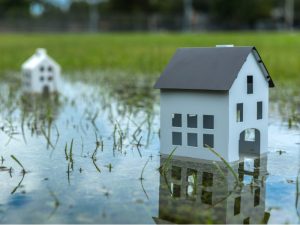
column 176, row 120
column 237, row 205
column 207, row 179
column 176, row 138
column 239, row 112
column 49, row 68
column 208, row 121
column 246, row 221
column 250, row 79
column 175, row 190
column 176, row 173
column 208, row 139
column 50, row 78
column 259, row 110
column 41, row 78
column 41, row 68
column 249, row 84
column 192, row 139
column 192, row 120
column 256, row 197
column 206, row 197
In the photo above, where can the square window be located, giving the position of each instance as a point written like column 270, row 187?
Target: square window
column 176, row 173
column 237, row 205
column 175, row 189
column 206, row 197
column 256, row 197
column 192, row 120
column 239, row 112
column 192, row 139
column 176, row 138
column 259, row 110
column 208, row 139
column 207, row 179
column 208, row 122
column 176, row 120
column 249, row 84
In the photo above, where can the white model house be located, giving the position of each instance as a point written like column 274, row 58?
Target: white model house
column 40, row 73
column 215, row 97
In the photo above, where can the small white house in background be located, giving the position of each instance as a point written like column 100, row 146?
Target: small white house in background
column 215, row 97
column 40, row 73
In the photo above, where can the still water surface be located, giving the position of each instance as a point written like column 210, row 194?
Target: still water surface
column 84, row 154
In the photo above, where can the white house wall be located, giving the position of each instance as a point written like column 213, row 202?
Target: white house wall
column 36, row 84
column 26, row 80
column 200, row 103
column 238, row 94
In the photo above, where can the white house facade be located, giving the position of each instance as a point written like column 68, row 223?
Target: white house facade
column 206, row 102
column 40, row 74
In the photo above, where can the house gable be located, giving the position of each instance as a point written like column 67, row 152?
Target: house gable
column 243, row 107
column 37, row 59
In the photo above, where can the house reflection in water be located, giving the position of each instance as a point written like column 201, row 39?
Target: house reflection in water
column 198, row 191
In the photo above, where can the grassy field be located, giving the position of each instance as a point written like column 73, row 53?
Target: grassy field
column 145, row 53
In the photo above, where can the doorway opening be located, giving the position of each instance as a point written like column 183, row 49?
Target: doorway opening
column 46, row 90
column 249, row 143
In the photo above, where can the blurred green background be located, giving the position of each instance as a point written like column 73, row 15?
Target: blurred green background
column 139, row 37
column 144, row 53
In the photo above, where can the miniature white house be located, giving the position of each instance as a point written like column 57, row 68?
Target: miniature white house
column 40, row 73
column 217, row 97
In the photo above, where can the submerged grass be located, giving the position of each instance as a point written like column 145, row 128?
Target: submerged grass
column 142, row 173
column 297, row 195
column 19, row 163
column 23, row 173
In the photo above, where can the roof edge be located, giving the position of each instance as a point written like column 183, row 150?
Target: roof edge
column 265, row 70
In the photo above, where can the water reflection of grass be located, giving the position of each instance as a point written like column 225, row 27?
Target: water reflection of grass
column 145, row 53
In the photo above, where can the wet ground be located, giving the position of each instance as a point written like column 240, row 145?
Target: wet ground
column 91, row 155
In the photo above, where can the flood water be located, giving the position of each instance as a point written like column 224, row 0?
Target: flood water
column 91, row 155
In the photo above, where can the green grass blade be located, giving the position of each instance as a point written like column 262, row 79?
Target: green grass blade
column 17, row 161
column 225, row 162
column 66, row 153
column 142, row 173
column 163, row 168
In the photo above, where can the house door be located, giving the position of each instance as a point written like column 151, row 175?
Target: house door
column 249, row 142
column 46, row 90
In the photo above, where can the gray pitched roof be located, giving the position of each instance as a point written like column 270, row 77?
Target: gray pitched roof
column 207, row 68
